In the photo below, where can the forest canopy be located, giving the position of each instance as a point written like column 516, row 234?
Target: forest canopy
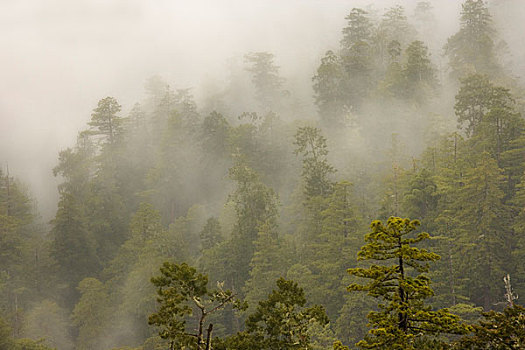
column 241, row 219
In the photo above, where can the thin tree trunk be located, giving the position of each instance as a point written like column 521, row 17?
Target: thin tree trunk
column 403, row 321
column 208, row 337
column 200, row 341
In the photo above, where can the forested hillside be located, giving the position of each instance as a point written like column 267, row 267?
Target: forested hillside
column 247, row 212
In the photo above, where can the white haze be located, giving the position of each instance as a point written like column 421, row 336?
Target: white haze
column 59, row 57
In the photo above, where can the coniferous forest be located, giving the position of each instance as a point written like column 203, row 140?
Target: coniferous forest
column 393, row 217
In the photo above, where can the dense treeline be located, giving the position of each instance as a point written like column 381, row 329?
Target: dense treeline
column 250, row 191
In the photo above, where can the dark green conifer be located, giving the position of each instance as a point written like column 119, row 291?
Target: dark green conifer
column 401, row 286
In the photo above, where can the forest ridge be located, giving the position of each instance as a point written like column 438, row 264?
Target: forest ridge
column 394, row 218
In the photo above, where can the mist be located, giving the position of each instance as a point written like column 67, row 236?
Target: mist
column 60, row 57
column 209, row 171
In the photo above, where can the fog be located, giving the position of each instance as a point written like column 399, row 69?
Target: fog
column 174, row 182
column 60, row 57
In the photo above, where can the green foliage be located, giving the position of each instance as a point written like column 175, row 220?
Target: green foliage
column 145, row 228
column 358, row 29
column 402, row 317
column 472, row 48
column 269, row 262
column 181, row 290
column 394, row 26
column 5, row 335
column 311, row 144
column 108, row 242
column 266, row 80
column 50, row 322
column 498, row 331
column 20, row 241
column 73, row 246
column 9, row 241
column 328, row 87
column 255, row 204
column 75, row 167
column 356, row 59
column 105, row 121
column 106, row 213
column 418, row 67
column 211, row 234
column 176, row 286
column 411, row 78
column 480, row 103
column 91, row 314
column 215, row 131
column 519, row 228
column 336, row 237
column 279, row 322
column 28, row 344
column 421, row 198
column 321, row 336
column 351, row 325
column 480, row 211
column 419, row 72
column 339, row 346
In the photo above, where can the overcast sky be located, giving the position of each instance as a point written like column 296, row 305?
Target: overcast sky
column 59, row 57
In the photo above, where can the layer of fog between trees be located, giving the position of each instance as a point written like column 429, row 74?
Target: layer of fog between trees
column 202, row 120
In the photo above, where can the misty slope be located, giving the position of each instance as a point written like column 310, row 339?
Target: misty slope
column 249, row 184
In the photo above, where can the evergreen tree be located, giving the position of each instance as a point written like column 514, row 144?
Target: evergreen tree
column 339, row 346
column 20, row 237
column 105, row 121
column 266, row 80
column 351, row 324
column 481, row 210
column 492, row 122
column 7, row 342
column 279, row 322
column 181, row 290
column 73, row 246
column 421, row 198
column 145, row 226
column 106, row 212
column 356, row 58
column 498, row 331
column 5, row 335
column 336, row 238
column 472, row 48
column 211, row 234
column 91, row 314
column 396, row 27
column 168, row 190
column 50, row 322
column 215, row 131
column 359, row 28
column 423, row 12
column 329, row 93
column 269, row 262
column 393, row 34
column 311, row 144
column 419, row 73
column 402, row 318
column 478, row 98
column 518, row 254
column 255, row 204
column 449, row 162
column 186, row 107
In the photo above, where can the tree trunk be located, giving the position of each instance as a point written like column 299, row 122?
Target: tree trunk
column 403, row 317
column 200, row 341
column 208, row 337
